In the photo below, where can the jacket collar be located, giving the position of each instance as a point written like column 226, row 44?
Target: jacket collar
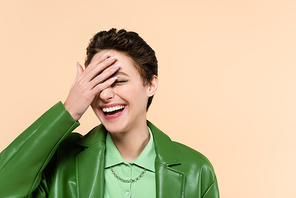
column 163, row 146
column 97, row 134
column 90, row 165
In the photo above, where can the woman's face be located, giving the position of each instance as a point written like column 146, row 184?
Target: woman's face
column 122, row 106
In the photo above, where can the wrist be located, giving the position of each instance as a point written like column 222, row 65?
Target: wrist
column 71, row 111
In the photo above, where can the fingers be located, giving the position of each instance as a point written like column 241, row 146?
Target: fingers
column 82, row 91
column 99, row 79
column 91, row 72
column 79, row 72
column 98, row 59
column 79, row 69
column 100, row 87
column 99, row 64
column 100, row 69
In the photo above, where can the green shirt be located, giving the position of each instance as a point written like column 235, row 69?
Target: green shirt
column 142, row 188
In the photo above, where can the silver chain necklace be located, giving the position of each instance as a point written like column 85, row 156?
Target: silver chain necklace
column 127, row 180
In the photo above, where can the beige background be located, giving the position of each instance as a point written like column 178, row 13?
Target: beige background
column 227, row 77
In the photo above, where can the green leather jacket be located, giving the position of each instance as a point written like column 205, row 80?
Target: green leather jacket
column 48, row 160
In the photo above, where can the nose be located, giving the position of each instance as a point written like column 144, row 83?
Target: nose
column 107, row 94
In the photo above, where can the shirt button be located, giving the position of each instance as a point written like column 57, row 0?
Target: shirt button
column 127, row 193
column 127, row 178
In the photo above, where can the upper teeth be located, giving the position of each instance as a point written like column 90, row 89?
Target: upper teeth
column 109, row 109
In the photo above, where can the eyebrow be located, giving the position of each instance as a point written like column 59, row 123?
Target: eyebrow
column 120, row 73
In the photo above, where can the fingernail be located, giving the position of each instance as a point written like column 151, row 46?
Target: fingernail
column 116, row 66
column 113, row 79
column 112, row 57
column 77, row 66
column 105, row 55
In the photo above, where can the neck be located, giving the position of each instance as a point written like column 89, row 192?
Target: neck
column 130, row 144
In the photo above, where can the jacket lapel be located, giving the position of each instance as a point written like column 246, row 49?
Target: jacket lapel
column 90, row 164
column 169, row 181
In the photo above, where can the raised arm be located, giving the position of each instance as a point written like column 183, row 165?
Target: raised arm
column 23, row 161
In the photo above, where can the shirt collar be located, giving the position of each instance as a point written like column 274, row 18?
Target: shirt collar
column 145, row 159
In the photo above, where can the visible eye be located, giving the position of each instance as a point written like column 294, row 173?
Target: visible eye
column 120, row 81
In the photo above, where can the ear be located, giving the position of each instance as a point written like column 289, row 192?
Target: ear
column 152, row 86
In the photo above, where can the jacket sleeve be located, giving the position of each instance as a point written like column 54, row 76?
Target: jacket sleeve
column 213, row 191
column 209, row 184
column 23, row 161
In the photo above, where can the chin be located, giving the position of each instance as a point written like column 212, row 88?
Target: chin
column 113, row 128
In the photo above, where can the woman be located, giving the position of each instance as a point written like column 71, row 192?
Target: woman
column 125, row 156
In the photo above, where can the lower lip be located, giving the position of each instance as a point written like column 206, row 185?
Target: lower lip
column 113, row 116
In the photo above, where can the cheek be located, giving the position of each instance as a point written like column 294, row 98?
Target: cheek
column 138, row 97
column 131, row 92
column 123, row 92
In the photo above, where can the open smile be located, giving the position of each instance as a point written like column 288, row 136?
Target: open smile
column 112, row 112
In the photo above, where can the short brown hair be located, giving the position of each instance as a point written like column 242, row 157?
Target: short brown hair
column 132, row 45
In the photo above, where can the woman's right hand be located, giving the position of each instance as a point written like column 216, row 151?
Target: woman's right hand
column 90, row 82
